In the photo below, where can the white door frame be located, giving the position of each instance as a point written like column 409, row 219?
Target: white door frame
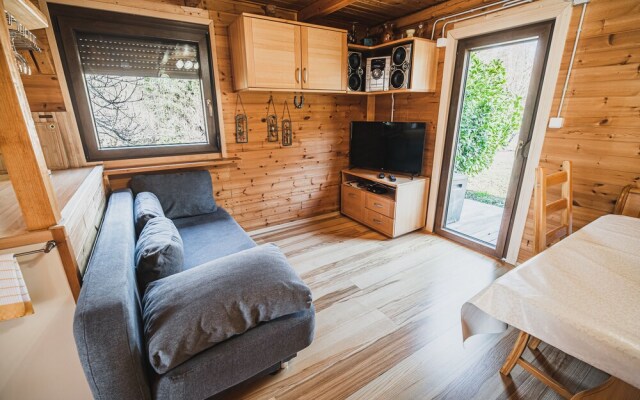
column 538, row 11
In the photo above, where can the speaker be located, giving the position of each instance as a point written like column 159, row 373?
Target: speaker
column 378, row 69
column 355, row 81
column 400, row 67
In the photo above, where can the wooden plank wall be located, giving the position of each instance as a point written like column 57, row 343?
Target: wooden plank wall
column 602, row 111
column 272, row 184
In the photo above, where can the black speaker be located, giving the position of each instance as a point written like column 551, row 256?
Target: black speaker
column 400, row 67
column 355, row 72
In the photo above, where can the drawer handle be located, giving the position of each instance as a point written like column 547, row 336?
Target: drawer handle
column 377, row 205
column 352, row 195
column 377, row 221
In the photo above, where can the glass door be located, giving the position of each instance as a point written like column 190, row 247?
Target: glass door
column 497, row 80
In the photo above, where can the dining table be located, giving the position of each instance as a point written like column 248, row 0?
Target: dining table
column 581, row 296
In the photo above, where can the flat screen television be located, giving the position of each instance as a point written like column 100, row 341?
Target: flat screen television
column 388, row 146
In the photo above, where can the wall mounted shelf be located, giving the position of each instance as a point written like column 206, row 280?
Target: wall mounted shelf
column 26, row 13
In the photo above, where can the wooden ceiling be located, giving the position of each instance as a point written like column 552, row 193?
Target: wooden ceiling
column 342, row 13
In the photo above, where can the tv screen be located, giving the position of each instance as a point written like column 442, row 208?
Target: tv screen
column 388, row 146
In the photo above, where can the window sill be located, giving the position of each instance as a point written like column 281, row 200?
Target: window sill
column 206, row 164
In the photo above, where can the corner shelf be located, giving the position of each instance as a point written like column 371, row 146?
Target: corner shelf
column 424, row 64
column 392, row 43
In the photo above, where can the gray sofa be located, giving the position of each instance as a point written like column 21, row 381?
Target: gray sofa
column 109, row 330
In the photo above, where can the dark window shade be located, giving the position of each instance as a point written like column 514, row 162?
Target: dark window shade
column 140, row 57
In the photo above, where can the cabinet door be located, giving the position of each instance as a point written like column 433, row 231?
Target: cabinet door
column 273, row 54
column 324, row 59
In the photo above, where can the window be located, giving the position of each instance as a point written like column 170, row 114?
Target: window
column 141, row 87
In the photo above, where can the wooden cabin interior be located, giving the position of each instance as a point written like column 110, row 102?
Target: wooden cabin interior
column 320, row 199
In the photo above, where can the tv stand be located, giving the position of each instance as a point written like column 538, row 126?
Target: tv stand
column 400, row 210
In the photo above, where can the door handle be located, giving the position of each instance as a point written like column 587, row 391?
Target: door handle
column 298, row 75
column 523, row 148
column 306, row 74
column 210, row 107
column 377, row 205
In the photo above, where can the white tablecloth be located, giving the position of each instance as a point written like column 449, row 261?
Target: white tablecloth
column 581, row 296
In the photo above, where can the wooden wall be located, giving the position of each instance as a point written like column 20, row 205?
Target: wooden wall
column 602, row 111
column 271, row 184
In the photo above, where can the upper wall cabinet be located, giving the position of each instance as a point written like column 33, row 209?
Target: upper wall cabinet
column 274, row 54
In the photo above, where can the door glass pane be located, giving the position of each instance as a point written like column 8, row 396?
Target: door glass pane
column 496, row 84
column 142, row 91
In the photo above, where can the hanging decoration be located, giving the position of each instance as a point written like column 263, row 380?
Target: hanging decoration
column 242, row 123
column 298, row 104
column 272, row 122
column 287, row 130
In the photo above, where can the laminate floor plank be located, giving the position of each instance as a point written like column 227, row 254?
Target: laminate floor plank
column 388, row 323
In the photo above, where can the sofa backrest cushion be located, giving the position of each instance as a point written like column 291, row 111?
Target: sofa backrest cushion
column 159, row 251
column 182, row 194
column 107, row 325
column 192, row 311
column 146, row 207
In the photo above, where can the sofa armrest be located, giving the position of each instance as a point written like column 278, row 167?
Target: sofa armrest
column 189, row 312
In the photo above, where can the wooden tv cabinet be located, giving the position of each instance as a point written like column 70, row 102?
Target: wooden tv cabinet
column 400, row 210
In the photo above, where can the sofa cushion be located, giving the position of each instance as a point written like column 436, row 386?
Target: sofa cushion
column 187, row 313
column 145, row 207
column 211, row 236
column 159, row 251
column 182, row 194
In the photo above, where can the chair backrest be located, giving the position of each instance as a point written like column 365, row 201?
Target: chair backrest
column 543, row 236
column 629, row 202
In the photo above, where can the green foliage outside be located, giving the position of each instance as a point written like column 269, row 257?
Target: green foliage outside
column 491, row 115
column 484, row 197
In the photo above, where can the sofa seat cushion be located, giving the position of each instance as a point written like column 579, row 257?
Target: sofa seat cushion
column 159, row 251
column 182, row 194
column 187, row 313
column 146, row 207
column 211, row 236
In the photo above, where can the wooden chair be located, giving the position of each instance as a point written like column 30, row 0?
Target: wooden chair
column 629, row 202
column 543, row 237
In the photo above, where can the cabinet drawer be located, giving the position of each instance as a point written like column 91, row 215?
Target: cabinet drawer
column 353, row 202
column 381, row 205
column 378, row 222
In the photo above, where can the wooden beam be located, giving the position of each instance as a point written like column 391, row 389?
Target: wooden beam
column 20, row 146
column 320, row 8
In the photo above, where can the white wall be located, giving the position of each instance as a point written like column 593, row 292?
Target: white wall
column 38, row 357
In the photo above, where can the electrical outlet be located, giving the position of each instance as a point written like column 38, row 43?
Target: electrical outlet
column 556, row 122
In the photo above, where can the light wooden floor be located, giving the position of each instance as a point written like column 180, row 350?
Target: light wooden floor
column 388, row 322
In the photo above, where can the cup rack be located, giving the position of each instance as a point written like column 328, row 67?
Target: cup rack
column 21, row 39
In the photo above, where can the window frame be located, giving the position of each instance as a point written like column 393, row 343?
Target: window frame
column 66, row 20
